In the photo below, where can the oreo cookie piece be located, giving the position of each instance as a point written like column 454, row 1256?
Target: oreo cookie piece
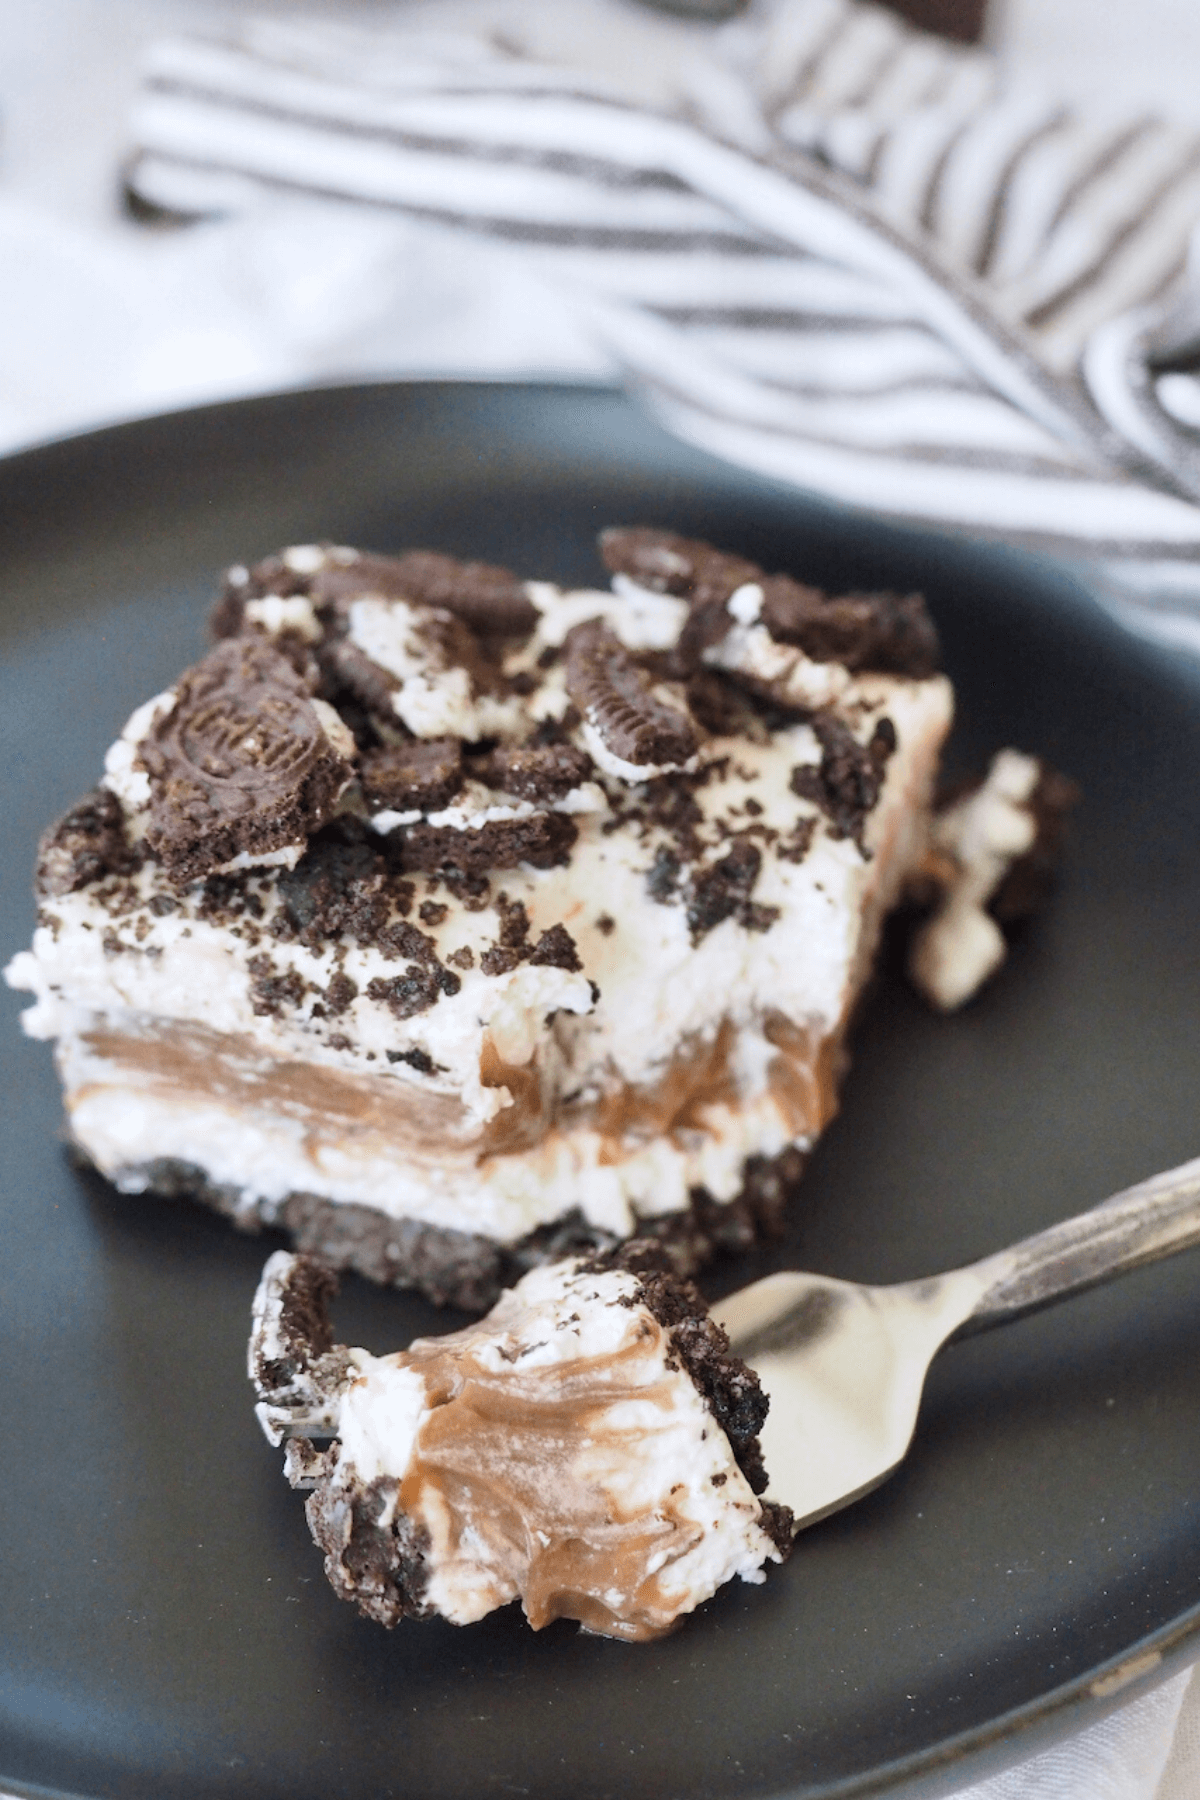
column 421, row 776
column 488, row 598
column 537, row 772
column 543, row 841
column 631, row 731
column 890, row 633
column 667, row 563
column 243, row 764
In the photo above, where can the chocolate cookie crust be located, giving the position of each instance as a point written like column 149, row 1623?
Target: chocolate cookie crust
column 468, row 1270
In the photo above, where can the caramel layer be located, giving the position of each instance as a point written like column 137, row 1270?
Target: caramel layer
column 378, row 1116
column 371, row 1112
column 500, row 1452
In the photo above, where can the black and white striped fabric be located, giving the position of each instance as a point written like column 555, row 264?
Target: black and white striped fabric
column 844, row 254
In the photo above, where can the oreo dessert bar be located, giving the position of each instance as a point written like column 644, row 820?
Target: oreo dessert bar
column 450, row 921
column 590, row 1447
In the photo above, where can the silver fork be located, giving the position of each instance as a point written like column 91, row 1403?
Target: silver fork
column 844, row 1365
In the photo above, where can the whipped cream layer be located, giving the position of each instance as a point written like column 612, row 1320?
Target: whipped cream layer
column 591, row 961
column 559, row 1452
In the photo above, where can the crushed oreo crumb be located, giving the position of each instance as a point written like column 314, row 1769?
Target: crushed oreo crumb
column 468, row 1270
column 304, row 1332
column 490, row 599
column 402, row 939
column 271, row 992
column 729, row 1387
column 719, row 706
column 723, row 891
column 848, row 781
column 87, row 844
column 512, row 945
column 798, row 842
column 892, row 633
column 556, row 949
column 417, row 1059
column 1029, row 881
column 343, row 883
column 340, row 993
column 662, row 881
column 888, row 632
column 420, row 987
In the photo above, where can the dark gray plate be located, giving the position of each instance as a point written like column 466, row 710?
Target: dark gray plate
column 164, row 1624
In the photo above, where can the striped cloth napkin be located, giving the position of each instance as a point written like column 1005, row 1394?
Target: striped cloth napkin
column 830, row 248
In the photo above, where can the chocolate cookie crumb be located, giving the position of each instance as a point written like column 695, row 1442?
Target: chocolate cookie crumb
column 402, row 939
column 889, row 632
column 417, row 1059
column 420, row 987
column 796, row 845
column 662, row 880
column 271, row 992
column 468, row 1270
column 305, row 1333
column 1029, row 881
column 341, row 884
column 85, row 845
column 514, row 922
column 556, row 949
column 718, row 705
column 847, row 783
column 730, row 1387
column 340, row 993
column 501, row 959
column 489, row 598
column 724, row 890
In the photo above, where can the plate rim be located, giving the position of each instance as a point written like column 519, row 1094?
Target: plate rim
column 1020, row 1733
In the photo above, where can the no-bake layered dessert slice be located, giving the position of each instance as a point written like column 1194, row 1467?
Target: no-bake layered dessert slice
column 450, row 921
column 590, row 1448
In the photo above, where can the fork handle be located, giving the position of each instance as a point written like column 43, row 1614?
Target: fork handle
column 1153, row 1219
